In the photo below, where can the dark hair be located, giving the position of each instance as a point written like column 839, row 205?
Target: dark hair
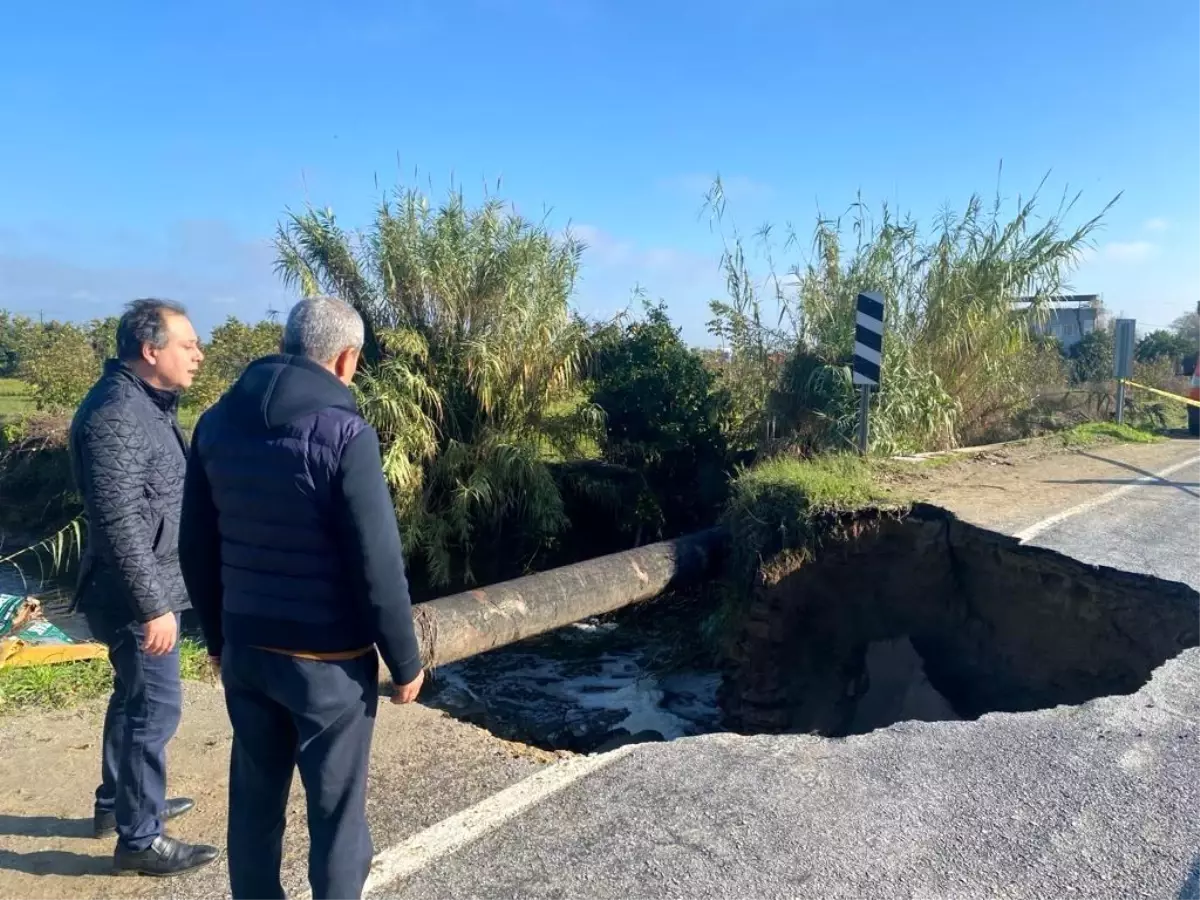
column 144, row 322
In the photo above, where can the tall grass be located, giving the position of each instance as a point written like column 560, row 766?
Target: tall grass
column 957, row 355
column 53, row 555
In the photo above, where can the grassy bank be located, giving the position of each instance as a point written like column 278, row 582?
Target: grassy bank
column 1091, row 434
column 16, row 399
column 785, row 504
column 65, row 685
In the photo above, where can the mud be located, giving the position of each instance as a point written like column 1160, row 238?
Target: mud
column 991, row 625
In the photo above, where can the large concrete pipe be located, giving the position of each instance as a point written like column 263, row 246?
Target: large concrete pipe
column 461, row 625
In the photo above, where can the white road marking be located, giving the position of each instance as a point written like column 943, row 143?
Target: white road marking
column 1025, row 535
column 454, row 833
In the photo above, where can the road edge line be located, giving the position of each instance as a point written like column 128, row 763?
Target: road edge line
column 1026, row 534
column 449, row 835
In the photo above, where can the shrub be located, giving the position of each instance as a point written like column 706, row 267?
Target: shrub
column 1162, row 345
column 1091, row 357
column 232, row 347
column 663, row 413
column 60, row 364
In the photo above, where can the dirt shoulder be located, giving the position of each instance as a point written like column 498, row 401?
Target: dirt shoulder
column 425, row 767
column 1011, row 488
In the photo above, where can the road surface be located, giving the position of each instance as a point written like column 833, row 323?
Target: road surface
column 1096, row 801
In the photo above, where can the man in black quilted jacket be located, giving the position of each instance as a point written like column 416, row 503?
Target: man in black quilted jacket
column 129, row 458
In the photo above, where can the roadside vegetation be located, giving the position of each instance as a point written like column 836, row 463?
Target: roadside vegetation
column 518, row 435
column 787, row 504
column 66, row 685
column 16, row 400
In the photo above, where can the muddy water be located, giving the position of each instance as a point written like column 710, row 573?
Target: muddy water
column 586, row 686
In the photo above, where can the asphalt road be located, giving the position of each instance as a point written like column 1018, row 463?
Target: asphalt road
column 1153, row 528
column 1092, row 801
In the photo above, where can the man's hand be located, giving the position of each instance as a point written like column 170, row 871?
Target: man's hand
column 160, row 635
column 407, row 693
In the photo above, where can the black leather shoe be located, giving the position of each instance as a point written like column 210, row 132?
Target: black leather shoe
column 105, row 824
column 166, row 856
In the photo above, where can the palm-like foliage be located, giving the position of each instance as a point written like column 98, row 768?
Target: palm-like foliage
column 472, row 351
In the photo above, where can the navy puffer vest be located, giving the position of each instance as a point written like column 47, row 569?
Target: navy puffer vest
column 271, row 450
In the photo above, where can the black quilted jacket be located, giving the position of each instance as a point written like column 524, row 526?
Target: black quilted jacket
column 129, row 458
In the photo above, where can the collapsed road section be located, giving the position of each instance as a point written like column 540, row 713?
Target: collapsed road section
column 897, row 615
column 924, row 613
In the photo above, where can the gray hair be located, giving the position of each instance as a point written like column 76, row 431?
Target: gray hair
column 322, row 327
column 144, row 322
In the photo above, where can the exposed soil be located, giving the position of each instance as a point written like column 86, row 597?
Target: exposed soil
column 997, row 626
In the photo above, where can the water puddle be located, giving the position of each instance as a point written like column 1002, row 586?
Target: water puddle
column 584, row 687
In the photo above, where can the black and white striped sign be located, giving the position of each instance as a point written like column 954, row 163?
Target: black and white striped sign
column 868, row 339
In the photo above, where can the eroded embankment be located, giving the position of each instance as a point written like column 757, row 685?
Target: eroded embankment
column 898, row 598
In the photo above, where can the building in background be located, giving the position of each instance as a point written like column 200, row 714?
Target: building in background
column 1069, row 317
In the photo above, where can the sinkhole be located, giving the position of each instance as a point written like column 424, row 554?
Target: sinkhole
column 919, row 616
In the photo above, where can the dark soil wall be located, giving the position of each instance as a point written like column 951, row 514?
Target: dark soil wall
column 1000, row 626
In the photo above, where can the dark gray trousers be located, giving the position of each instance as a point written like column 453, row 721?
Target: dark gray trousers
column 315, row 715
column 143, row 714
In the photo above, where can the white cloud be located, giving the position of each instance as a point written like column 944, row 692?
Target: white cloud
column 1129, row 251
column 608, row 251
column 1156, row 225
column 613, row 267
column 203, row 264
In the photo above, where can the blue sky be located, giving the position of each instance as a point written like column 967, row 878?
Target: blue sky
column 150, row 148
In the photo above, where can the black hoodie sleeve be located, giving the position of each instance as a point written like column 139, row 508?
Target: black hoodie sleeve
column 200, row 549
column 371, row 539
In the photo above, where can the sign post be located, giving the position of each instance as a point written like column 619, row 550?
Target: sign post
column 868, row 357
column 1123, row 361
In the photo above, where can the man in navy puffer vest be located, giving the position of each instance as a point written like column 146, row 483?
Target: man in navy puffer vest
column 291, row 554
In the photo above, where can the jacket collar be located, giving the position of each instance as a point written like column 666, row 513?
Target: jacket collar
column 167, row 401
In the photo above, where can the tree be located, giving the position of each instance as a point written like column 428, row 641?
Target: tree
column 1162, row 345
column 663, row 416
column 472, row 353
column 1187, row 327
column 1091, row 357
column 15, row 334
column 60, row 363
column 232, row 347
column 103, row 336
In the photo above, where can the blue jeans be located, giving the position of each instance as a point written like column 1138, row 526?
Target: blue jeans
column 315, row 715
column 143, row 714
